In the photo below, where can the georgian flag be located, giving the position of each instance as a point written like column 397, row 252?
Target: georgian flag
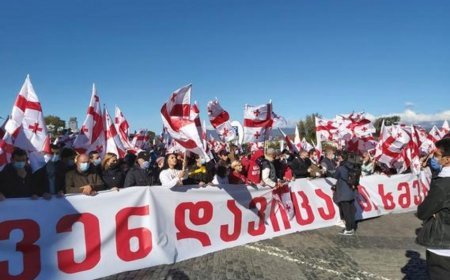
column 113, row 142
column 445, row 127
column 27, row 127
column 435, row 134
column 287, row 139
column 325, row 129
column 6, row 149
column 220, row 120
column 354, row 124
column 92, row 132
column 257, row 122
column 122, row 127
column 176, row 117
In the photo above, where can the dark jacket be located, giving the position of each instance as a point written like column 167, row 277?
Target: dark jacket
column 113, row 177
column 13, row 186
column 75, row 180
column 438, row 202
column 137, row 176
column 344, row 192
column 300, row 167
column 330, row 165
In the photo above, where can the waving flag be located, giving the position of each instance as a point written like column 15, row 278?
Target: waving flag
column 287, row 139
column 92, row 133
column 6, row 149
column 26, row 126
column 445, row 128
column 176, row 117
column 435, row 134
column 113, row 142
column 220, row 120
column 325, row 129
column 257, row 122
column 122, row 126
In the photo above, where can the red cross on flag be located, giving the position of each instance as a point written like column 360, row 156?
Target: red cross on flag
column 325, row 129
column 220, row 120
column 258, row 121
column 113, row 142
column 435, row 134
column 122, row 126
column 289, row 144
column 92, row 133
column 27, row 127
column 6, row 149
column 181, row 126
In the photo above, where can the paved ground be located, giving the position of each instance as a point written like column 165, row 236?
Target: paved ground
column 383, row 248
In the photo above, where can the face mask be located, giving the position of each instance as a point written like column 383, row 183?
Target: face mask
column 202, row 161
column 84, row 166
column 96, row 162
column 145, row 165
column 55, row 158
column 19, row 164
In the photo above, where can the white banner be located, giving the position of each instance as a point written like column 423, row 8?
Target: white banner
column 82, row 237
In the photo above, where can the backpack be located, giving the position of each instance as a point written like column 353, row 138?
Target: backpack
column 354, row 175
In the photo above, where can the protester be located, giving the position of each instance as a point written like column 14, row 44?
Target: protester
column 236, row 176
column 18, row 180
column 367, row 167
column 63, row 166
column 198, row 172
column 51, row 167
column 83, row 179
column 112, row 174
column 344, row 195
column 140, row 174
column 254, row 170
column 159, row 165
column 328, row 163
column 436, row 206
column 268, row 171
column 300, row 165
column 96, row 161
column 224, row 158
column 315, row 169
column 170, row 176
column 221, row 176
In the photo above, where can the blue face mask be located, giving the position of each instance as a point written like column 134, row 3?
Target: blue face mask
column 145, row 165
column 19, row 164
column 96, row 162
column 84, row 166
column 202, row 161
column 55, row 158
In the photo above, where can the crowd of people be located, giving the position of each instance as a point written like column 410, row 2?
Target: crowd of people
column 68, row 172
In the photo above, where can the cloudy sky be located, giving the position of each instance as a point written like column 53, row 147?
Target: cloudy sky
column 383, row 57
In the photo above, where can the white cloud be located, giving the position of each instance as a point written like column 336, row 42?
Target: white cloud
column 409, row 116
column 409, row 105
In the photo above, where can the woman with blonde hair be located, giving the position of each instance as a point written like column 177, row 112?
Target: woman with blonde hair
column 112, row 174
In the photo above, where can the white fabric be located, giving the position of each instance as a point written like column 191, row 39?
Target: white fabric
column 140, row 227
column 220, row 180
column 265, row 178
column 169, row 177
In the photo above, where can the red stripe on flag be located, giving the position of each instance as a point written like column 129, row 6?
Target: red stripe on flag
column 22, row 103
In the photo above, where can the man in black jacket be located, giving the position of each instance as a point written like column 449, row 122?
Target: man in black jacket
column 17, row 179
column 300, row 165
column 141, row 173
column 437, row 205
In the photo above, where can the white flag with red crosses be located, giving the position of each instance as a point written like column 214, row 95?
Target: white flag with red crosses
column 92, row 132
column 220, row 120
column 258, row 121
column 113, row 142
column 26, row 126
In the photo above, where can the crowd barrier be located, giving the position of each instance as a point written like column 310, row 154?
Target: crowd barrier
column 83, row 237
